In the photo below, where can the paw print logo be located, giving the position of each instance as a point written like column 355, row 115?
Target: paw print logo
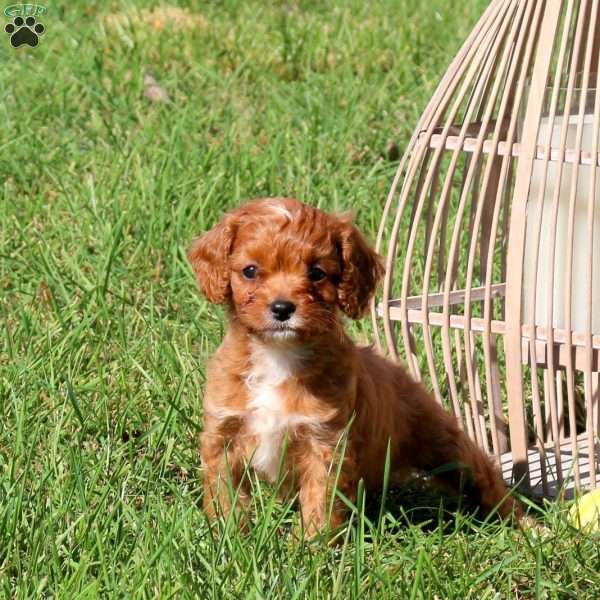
column 24, row 31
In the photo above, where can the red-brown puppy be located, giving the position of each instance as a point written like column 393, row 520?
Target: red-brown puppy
column 286, row 369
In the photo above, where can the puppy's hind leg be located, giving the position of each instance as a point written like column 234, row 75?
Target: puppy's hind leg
column 457, row 462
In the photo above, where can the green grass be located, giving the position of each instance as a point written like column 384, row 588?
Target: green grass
column 104, row 336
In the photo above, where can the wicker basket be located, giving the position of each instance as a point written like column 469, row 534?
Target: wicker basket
column 491, row 233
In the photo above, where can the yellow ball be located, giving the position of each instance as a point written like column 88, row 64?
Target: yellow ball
column 585, row 513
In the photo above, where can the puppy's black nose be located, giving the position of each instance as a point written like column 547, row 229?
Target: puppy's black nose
column 282, row 309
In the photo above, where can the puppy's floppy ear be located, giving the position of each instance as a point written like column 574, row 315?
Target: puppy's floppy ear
column 209, row 257
column 362, row 268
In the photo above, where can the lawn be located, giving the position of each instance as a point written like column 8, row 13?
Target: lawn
column 103, row 336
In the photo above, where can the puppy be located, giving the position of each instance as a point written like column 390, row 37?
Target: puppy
column 287, row 375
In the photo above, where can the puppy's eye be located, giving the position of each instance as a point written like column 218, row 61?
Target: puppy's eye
column 316, row 274
column 249, row 272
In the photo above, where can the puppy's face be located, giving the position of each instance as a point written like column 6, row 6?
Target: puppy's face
column 286, row 268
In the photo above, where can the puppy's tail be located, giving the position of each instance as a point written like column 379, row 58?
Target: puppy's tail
column 484, row 482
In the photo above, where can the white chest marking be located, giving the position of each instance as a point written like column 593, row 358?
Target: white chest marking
column 268, row 418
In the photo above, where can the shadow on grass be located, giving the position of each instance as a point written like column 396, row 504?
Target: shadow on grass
column 418, row 502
